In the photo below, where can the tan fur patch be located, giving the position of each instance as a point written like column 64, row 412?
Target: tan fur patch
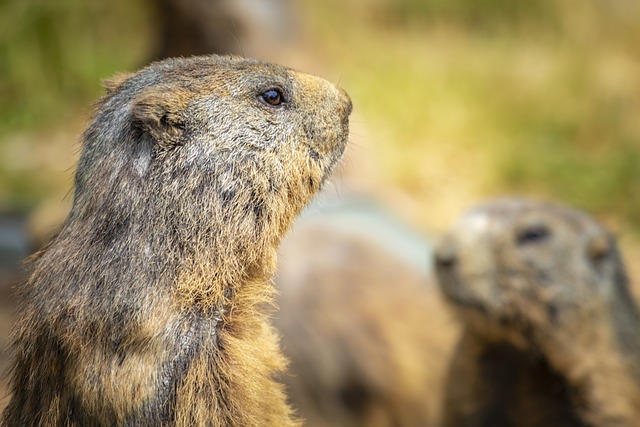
column 111, row 84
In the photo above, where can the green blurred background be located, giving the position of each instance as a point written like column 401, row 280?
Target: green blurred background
column 455, row 100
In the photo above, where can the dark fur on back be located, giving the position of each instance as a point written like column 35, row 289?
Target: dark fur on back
column 550, row 325
column 150, row 305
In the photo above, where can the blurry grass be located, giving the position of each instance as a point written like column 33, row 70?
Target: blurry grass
column 52, row 58
column 469, row 99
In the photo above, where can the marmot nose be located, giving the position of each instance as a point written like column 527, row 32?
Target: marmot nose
column 445, row 256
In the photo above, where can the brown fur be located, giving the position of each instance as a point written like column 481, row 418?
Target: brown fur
column 150, row 306
column 361, row 323
column 551, row 330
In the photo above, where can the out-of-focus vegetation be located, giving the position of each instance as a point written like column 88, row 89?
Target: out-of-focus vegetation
column 53, row 55
column 461, row 98
column 471, row 98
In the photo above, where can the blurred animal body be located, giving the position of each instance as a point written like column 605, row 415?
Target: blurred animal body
column 360, row 320
column 197, row 27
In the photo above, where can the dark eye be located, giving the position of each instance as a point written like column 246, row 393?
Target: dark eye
column 533, row 234
column 272, row 97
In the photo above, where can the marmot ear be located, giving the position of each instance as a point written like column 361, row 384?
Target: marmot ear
column 113, row 83
column 159, row 113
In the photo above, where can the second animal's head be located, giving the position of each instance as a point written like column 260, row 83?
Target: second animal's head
column 520, row 266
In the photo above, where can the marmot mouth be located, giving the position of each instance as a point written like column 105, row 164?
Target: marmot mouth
column 510, row 321
column 455, row 292
column 465, row 303
column 328, row 161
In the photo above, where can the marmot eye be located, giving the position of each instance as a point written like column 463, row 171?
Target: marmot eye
column 272, row 97
column 533, row 234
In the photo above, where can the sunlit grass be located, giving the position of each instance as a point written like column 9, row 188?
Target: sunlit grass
column 546, row 106
column 53, row 56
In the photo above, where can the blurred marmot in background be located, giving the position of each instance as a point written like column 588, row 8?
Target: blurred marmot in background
column 551, row 331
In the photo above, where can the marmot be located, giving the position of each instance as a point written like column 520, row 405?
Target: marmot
column 361, row 321
column 551, row 330
column 150, row 306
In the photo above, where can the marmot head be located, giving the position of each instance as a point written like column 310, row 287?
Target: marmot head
column 525, row 266
column 206, row 156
